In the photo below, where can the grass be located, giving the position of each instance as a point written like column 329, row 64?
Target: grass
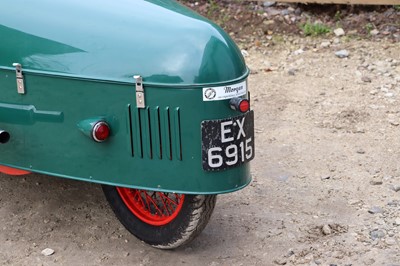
column 315, row 29
column 213, row 9
column 338, row 16
column 369, row 27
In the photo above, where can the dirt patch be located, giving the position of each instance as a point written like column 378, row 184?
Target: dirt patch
column 258, row 21
column 326, row 177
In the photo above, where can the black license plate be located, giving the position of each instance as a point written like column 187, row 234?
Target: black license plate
column 228, row 142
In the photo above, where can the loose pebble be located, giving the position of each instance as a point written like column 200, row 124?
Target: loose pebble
column 374, row 32
column 268, row 4
column 342, row 54
column 375, row 210
column 298, row 52
column 324, row 177
column 245, row 53
column 390, row 241
column 280, row 261
column 326, row 229
column 376, row 182
column 396, row 188
column 339, row 32
column 360, row 151
column 377, row 234
column 47, row 252
column 325, row 44
column 292, row 72
column 366, row 79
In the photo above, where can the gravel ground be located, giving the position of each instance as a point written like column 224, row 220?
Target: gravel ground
column 326, row 175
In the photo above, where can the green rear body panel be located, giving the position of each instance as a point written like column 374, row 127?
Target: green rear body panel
column 80, row 66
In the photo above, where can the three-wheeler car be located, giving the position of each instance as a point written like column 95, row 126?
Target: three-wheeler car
column 147, row 98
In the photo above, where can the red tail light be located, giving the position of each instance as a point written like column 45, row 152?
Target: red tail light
column 101, row 131
column 239, row 104
column 244, row 106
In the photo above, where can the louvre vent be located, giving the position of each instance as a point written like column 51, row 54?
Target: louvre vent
column 155, row 132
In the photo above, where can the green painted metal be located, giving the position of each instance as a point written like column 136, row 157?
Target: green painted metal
column 79, row 68
column 162, row 41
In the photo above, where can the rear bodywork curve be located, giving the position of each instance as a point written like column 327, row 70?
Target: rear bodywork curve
column 162, row 41
column 81, row 67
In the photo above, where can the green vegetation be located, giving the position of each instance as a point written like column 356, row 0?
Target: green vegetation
column 338, row 16
column 369, row 27
column 213, row 9
column 315, row 29
column 396, row 7
column 214, row 13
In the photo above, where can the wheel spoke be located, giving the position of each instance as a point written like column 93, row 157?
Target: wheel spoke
column 162, row 199
column 151, row 200
column 155, row 208
column 139, row 197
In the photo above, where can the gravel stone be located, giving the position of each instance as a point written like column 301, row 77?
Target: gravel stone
column 377, row 234
column 245, row 53
column 268, row 4
column 396, row 188
column 280, row 261
column 47, row 251
column 342, row 53
column 375, row 209
column 374, row 32
column 376, row 182
column 298, row 52
column 393, row 203
column 292, row 72
column 390, row 241
column 366, row 79
column 339, row 32
column 325, row 44
column 325, row 177
column 360, row 151
column 326, row 230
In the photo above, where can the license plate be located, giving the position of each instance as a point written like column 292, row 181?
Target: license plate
column 227, row 143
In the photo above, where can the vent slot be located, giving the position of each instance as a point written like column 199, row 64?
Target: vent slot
column 146, row 132
column 136, row 133
column 129, row 129
column 156, row 133
column 166, row 133
column 177, row 134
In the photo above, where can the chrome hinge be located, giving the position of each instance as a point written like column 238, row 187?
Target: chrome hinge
column 20, row 78
column 140, row 103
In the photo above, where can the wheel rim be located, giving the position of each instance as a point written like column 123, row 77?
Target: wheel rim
column 151, row 207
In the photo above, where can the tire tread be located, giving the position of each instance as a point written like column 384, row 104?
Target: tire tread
column 203, row 206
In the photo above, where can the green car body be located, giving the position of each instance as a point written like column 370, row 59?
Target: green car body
column 78, row 60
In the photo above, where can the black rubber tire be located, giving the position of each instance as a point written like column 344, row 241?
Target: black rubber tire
column 191, row 220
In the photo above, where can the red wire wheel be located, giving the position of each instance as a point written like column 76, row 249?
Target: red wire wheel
column 160, row 219
column 152, row 207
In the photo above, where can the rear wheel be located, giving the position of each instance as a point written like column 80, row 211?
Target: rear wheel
column 163, row 220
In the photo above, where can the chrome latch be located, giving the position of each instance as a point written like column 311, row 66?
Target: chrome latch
column 20, row 78
column 140, row 102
